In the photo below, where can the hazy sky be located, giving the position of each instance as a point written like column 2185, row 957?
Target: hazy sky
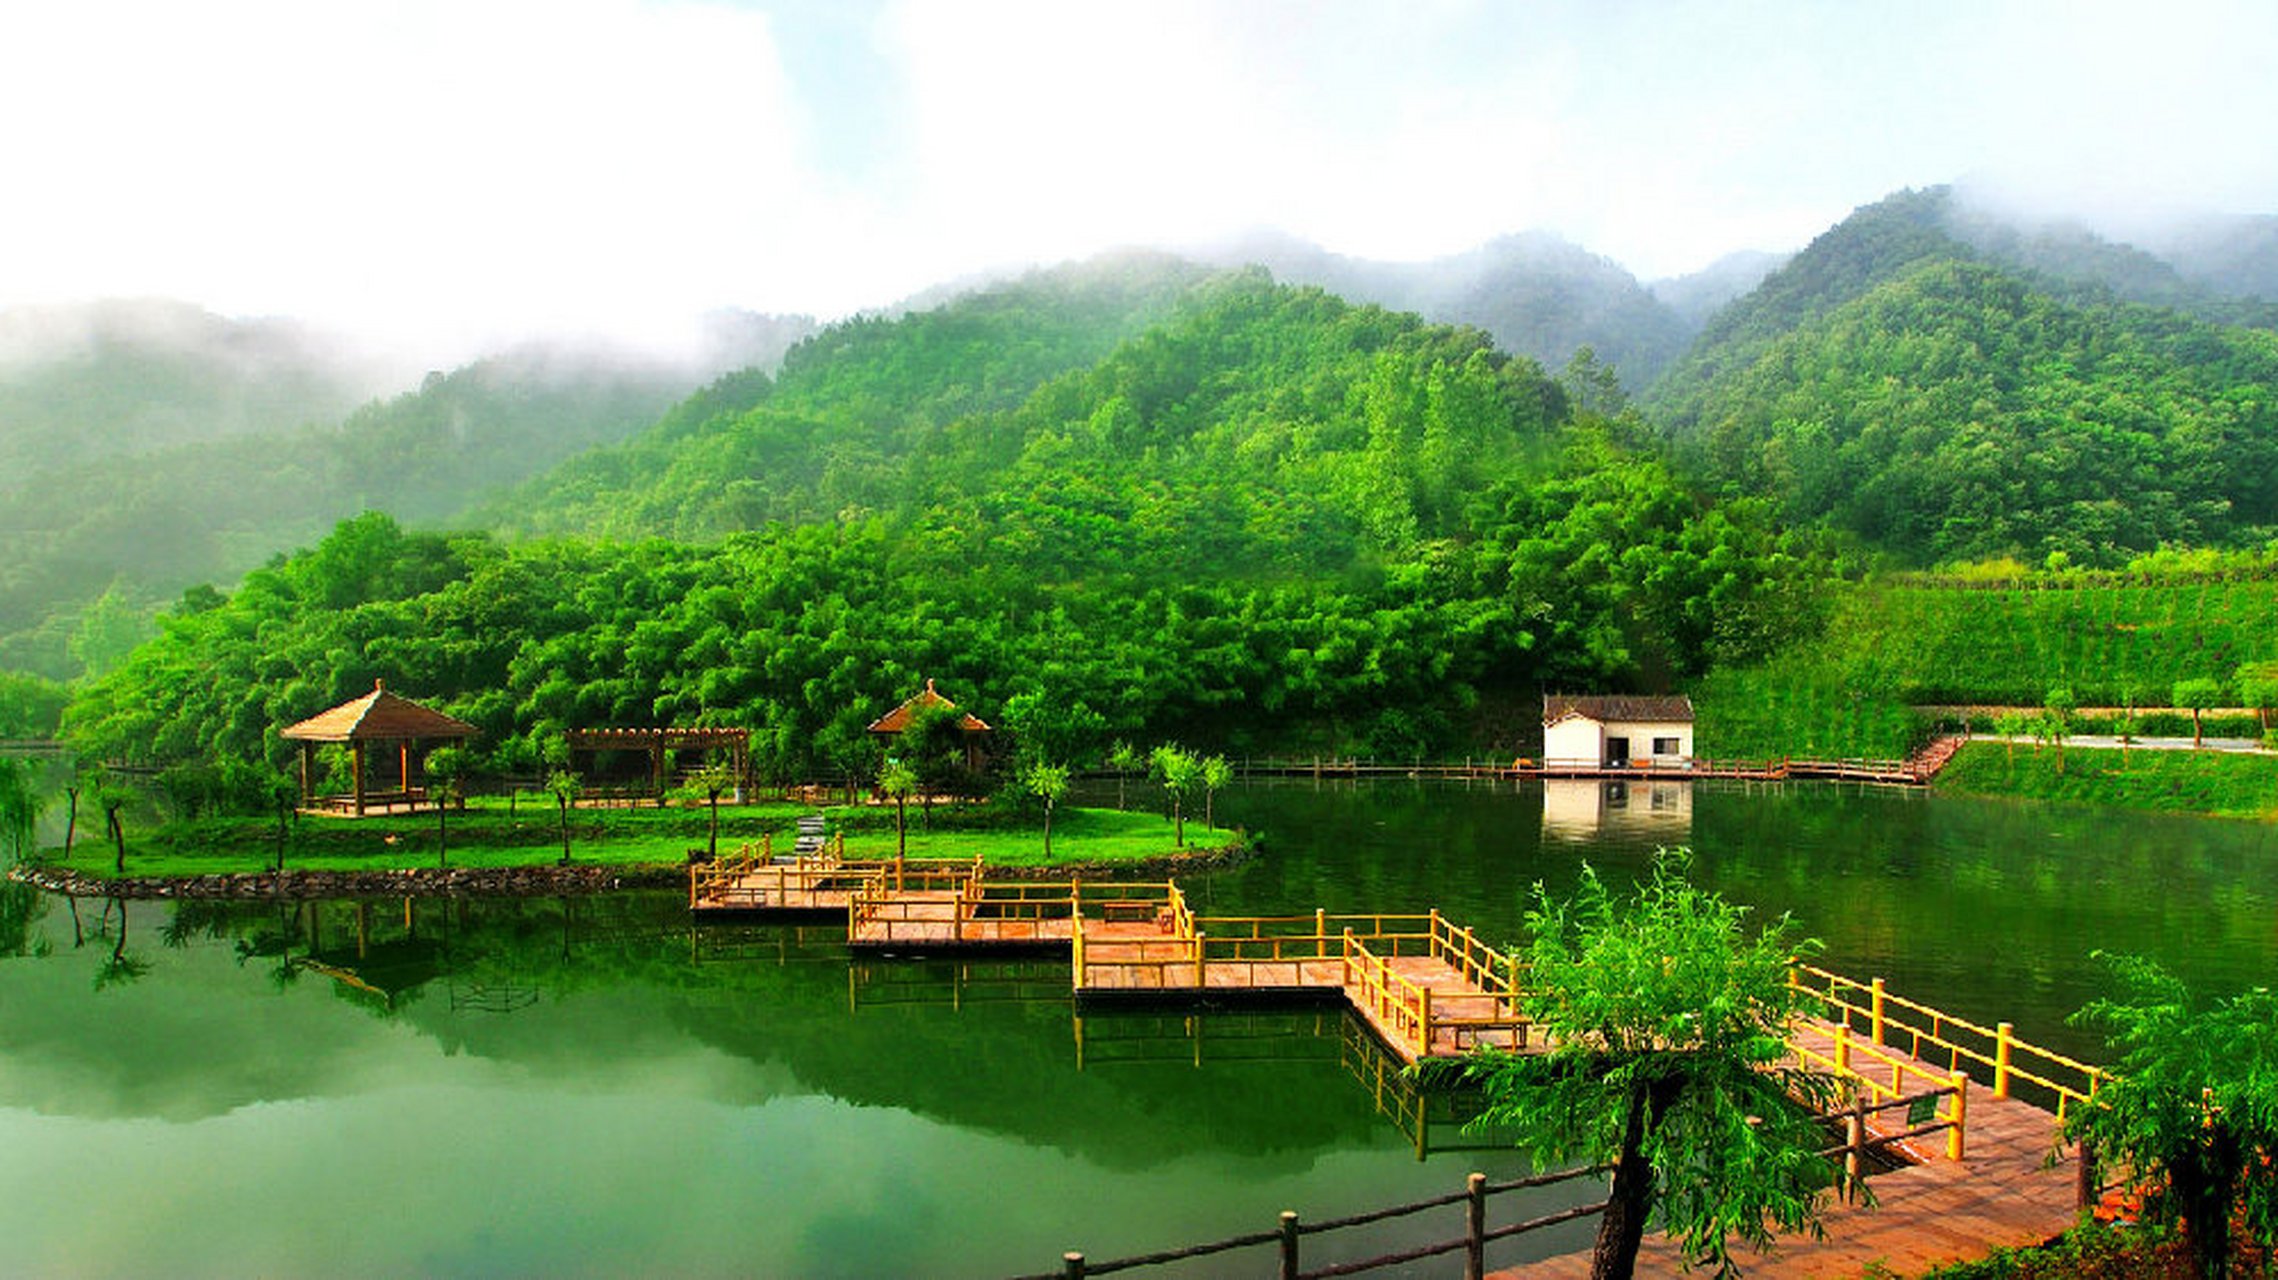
column 448, row 170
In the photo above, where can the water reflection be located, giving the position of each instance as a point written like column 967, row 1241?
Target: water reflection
column 1586, row 810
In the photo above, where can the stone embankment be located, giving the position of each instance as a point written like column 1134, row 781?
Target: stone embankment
column 537, row 881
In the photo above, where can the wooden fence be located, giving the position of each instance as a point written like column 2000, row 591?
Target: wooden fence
column 1288, row 1236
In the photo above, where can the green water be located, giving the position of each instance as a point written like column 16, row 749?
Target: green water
column 594, row 1087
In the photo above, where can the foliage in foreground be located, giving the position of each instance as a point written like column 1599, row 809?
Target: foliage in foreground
column 1668, row 1018
column 2091, row 1251
column 2192, row 1106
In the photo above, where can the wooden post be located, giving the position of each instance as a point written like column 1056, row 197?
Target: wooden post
column 1877, row 1002
column 1288, row 1244
column 1954, row 1136
column 1854, row 1138
column 1321, row 933
column 2004, row 1035
column 308, row 769
column 1475, row 1227
column 403, row 768
column 1424, row 1022
column 1842, row 1050
column 1072, row 1265
column 356, row 751
column 1199, row 984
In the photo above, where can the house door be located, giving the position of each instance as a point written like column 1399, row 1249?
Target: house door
column 1617, row 752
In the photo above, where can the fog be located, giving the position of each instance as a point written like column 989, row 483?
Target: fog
column 442, row 177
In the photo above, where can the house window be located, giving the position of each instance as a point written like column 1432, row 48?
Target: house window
column 1664, row 746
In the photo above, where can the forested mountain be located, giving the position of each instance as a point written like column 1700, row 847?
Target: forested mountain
column 123, row 379
column 1537, row 294
column 1266, row 517
column 136, row 531
column 2233, row 256
column 1945, row 387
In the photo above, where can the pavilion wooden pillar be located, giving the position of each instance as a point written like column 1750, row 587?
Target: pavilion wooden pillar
column 356, row 749
column 308, row 771
column 656, row 770
column 403, row 767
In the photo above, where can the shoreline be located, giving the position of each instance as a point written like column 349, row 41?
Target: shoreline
column 534, row 881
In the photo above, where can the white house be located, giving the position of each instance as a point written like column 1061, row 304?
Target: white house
column 1617, row 732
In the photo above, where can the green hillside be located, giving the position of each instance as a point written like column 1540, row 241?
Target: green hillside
column 2111, row 639
column 1939, row 400
column 1270, row 520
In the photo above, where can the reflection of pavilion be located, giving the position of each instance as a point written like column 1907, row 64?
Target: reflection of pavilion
column 1586, row 808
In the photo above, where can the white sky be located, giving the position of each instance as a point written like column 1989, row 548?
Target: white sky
column 453, row 171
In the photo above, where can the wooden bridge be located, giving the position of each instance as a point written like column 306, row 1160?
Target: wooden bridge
column 1963, row 1117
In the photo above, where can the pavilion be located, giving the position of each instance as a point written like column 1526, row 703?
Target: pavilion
column 971, row 726
column 381, row 718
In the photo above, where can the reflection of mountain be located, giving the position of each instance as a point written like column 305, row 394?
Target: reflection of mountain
column 1584, row 809
column 631, row 993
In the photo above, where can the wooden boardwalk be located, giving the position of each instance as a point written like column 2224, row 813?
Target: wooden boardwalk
column 1954, row 1098
column 2005, row 1191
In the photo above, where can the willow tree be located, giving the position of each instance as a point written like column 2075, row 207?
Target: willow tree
column 1666, row 1018
column 2192, row 1105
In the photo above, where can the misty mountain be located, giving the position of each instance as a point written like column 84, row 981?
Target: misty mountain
column 207, row 510
column 1537, row 294
column 2233, row 256
column 1700, row 295
column 122, row 379
column 849, row 405
column 1938, row 399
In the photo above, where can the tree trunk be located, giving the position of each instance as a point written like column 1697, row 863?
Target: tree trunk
column 712, row 838
column 563, row 801
column 1178, row 822
column 70, row 821
column 118, row 834
column 1047, row 829
column 442, row 839
column 1621, row 1229
column 2195, row 738
column 901, row 828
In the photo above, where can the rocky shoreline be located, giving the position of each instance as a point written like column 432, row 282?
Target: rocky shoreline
column 453, row 882
column 544, row 880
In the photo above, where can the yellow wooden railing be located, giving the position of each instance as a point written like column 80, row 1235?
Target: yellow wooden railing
column 1867, row 1010
column 1885, row 1077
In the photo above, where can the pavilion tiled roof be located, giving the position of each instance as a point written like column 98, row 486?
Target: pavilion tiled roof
column 378, row 716
column 1675, row 708
column 899, row 718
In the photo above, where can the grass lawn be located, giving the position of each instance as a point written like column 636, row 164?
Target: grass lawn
column 489, row 835
column 2223, row 784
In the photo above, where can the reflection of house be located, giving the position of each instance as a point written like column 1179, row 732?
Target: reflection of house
column 1587, row 808
column 1617, row 732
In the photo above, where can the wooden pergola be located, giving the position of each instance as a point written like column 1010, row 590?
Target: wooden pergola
column 381, row 718
column 657, row 741
column 973, row 727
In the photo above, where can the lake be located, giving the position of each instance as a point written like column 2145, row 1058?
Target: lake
column 594, row 1087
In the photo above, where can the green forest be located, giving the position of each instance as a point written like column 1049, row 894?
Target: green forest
column 1139, row 499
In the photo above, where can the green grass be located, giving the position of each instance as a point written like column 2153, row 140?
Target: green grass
column 2222, row 784
column 487, row 835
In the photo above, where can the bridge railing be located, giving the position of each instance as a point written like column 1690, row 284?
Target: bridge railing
column 1994, row 1053
column 1883, row 1076
column 1289, row 1235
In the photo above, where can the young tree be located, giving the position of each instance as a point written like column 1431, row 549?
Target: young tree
column 1180, row 773
column 1125, row 760
column 2011, row 726
column 1216, row 773
column 564, row 786
column 2258, row 689
column 2192, row 1104
column 1667, row 1022
column 2195, row 696
column 898, row 780
column 2059, row 706
column 1047, row 782
column 2126, row 723
column 714, row 780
